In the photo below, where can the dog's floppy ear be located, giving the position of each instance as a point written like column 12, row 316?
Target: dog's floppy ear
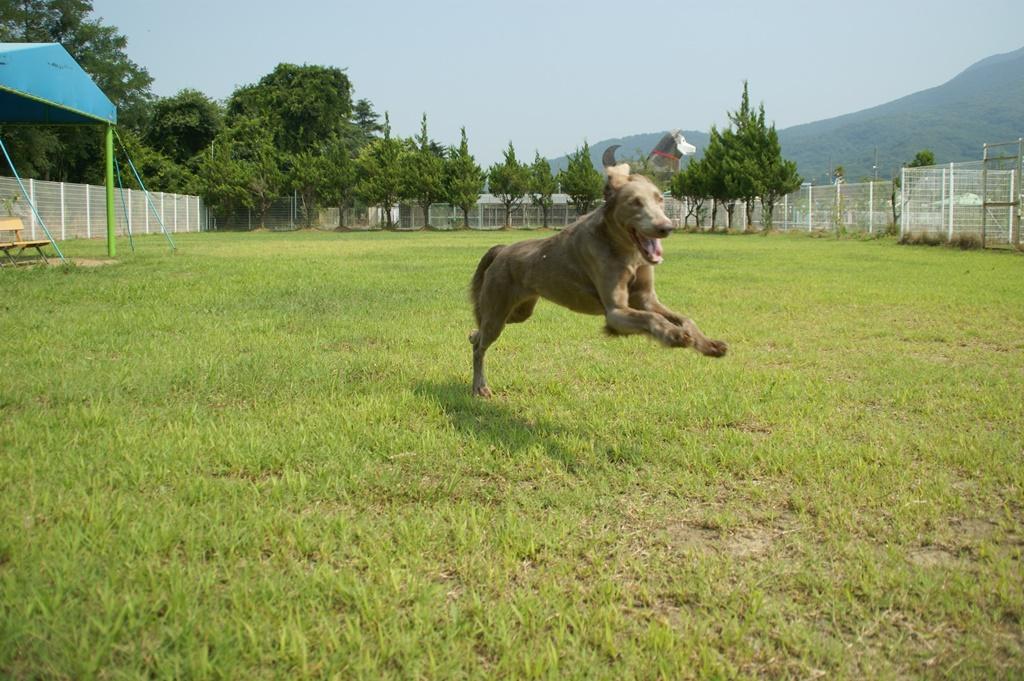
column 618, row 176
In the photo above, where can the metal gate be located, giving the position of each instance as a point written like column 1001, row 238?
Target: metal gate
column 996, row 202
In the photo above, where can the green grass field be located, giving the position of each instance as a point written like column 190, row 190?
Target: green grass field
column 259, row 458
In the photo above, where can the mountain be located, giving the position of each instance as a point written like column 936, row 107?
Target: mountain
column 984, row 103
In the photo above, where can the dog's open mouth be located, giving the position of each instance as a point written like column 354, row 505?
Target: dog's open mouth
column 650, row 249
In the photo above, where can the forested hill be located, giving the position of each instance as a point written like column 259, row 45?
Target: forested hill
column 984, row 103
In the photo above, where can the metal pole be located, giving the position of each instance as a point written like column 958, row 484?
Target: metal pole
column 111, row 226
column 942, row 202
column 952, row 199
column 32, row 200
column 1013, row 211
column 810, row 207
column 88, row 215
column 63, row 221
column 984, row 192
column 840, row 218
column 903, row 202
column 871, row 207
column 1020, row 178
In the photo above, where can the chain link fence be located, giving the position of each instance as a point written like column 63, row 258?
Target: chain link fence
column 951, row 203
column 955, row 203
column 79, row 211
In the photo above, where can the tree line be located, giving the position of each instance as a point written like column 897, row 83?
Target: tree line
column 300, row 130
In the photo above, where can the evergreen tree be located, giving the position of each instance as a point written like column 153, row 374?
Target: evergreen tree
column 509, row 181
column 753, row 164
column 422, row 172
column 743, row 148
column 779, row 175
column 542, row 185
column 581, row 181
column 715, row 163
column 464, row 179
column 379, row 182
column 366, row 121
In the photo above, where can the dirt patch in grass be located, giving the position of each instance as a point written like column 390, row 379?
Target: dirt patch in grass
column 933, row 556
column 749, row 540
column 93, row 262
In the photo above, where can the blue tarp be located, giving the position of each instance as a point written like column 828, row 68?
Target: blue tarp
column 42, row 83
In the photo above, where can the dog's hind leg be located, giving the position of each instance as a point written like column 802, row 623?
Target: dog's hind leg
column 522, row 311
column 481, row 339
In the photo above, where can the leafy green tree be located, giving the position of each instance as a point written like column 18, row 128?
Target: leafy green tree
column 243, row 168
column 464, row 179
column 340, row 176
column 303, row 105
column 922, row 159
column 690, row 185
column 159, row 172
column 183, row 125
column 308, row 175
column 223, row 178
column 509, row 181
column 581, row 181
column 543, row 185
column 379, row 174
column 422, row 172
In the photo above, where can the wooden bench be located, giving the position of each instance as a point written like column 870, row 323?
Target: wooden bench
column 10, row 239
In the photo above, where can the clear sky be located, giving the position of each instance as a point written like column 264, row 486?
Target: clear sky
column 547, row 75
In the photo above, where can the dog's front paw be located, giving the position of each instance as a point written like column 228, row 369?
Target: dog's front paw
column 677, row 337
column 714, row 348
column 482, row 391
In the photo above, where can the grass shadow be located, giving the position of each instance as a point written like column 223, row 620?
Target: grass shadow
column 495, row 424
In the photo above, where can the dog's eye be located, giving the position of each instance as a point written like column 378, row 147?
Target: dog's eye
column 637, row 201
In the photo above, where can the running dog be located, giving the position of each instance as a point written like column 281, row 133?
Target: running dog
column 602, row 264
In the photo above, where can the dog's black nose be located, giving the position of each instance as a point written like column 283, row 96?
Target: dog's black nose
column 663, row 232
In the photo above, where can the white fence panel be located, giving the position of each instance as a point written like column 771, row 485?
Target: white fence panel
column 78, row 211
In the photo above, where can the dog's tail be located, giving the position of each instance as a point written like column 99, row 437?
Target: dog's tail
column 478, row 279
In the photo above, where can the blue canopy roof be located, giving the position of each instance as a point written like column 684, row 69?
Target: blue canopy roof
column 41, row 83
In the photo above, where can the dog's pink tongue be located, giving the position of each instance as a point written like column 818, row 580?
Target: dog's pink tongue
column 653, row 248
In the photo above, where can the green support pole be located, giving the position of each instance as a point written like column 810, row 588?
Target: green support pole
column 111, row 222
